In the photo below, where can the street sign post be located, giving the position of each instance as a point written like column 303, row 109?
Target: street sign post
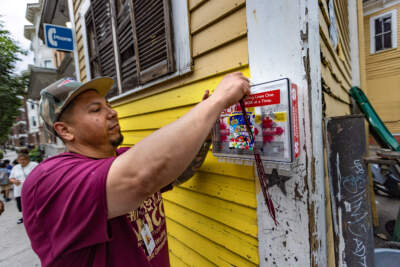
column 58, row 37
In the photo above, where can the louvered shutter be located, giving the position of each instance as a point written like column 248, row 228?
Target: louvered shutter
column 126, row 46
column 101, row 13
column 91, row 40
column 152, row 27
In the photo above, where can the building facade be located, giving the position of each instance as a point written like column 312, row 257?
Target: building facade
column 381, row 23
column 43, row 58
column 49, row 65
column 164, row 54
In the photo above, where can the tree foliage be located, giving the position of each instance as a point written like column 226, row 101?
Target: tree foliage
column 12, row 86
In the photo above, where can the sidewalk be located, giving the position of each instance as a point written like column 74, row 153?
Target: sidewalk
column 15, row 247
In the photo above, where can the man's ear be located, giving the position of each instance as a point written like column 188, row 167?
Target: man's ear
column 63, row 131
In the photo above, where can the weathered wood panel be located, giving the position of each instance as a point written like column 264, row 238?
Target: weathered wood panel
column 346, row 145
column 284, row 42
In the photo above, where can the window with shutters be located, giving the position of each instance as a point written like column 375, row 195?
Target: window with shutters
column 100, row 42
column 144, row 40
column 383, row 31
column 152, row 41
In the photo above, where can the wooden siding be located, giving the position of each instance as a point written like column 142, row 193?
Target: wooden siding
column 383, row 76
column 336, row 83
column 211, row 219
column 335, row 63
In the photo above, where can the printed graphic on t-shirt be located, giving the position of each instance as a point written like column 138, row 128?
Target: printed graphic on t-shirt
column 154, row 217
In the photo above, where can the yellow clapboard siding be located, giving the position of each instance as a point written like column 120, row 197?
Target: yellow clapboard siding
column 231, row 57
column 237, row 242
column 77, row 4
column 78, row 23
column 152, row 120
column 323, row 5
column 381, row 64
column 343, row 26
column 225, row 187
column 241, row 218
column 133, row 137
column 83, row 75
column 385, row 110
column 384, row 61
column 174, row 260
column 186, row 95
column 212, row 165
column 383, row 78
column 324, row 33
column 79, row 48
column 212, row 11
column 193, row 4
column 337, row 88
column 213, row 252
column 339, row 67
column 335, row 108
column 185, row 256
column 226, row 30
column 394, row 128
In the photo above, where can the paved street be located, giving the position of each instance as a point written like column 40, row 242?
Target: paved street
column 15, row 248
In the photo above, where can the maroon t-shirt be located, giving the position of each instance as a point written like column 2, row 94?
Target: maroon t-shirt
column 65, row 216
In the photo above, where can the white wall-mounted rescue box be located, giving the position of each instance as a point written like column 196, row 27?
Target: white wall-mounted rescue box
column 272, row 109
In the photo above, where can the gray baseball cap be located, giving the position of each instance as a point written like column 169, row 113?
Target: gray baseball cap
column 56, row 97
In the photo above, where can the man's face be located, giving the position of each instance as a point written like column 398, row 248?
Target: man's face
column 94, row 122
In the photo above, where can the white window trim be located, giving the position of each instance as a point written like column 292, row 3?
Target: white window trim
column 393, row 13
column 83, row 11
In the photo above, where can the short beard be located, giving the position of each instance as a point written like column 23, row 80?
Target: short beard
column 118, row 141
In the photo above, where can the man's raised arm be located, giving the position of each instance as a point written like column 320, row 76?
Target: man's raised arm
column 160, row 158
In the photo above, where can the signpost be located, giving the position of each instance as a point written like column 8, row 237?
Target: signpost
column 59, row 37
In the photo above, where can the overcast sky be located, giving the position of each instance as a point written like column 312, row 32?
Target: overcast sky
column 13, row 15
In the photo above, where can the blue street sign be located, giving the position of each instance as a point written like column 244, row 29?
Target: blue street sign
column 58, row 37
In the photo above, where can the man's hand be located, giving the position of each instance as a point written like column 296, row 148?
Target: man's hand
column 232, row 89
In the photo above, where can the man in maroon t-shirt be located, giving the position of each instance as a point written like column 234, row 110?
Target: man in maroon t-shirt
column 97, row 205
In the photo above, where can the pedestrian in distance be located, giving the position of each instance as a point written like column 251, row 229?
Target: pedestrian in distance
column 18, row 175
column 100, row 205
column 5, row 183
